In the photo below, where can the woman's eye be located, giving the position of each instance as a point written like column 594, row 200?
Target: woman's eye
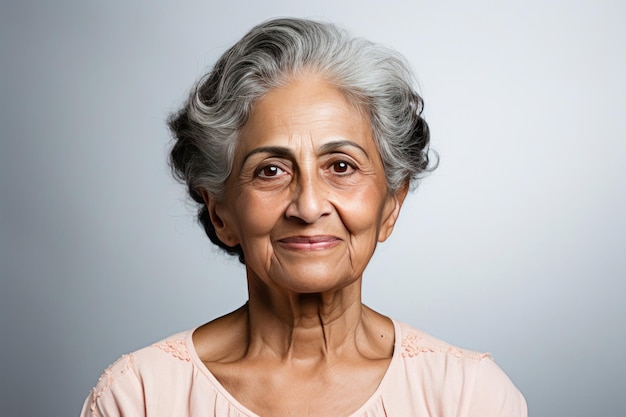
column 270, row 171
column 341, row 167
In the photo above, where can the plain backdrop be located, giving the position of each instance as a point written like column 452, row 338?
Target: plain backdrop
column 515, row 245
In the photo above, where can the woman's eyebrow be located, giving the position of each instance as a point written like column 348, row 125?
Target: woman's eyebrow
column 336, row 145
column 278, row 151
column 283, row 152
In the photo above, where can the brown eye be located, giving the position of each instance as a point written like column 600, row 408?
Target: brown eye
column 341, row 167
column 270, row 171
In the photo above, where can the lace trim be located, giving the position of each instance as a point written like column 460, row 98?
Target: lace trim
column 411, row 347
column 176, row 348
column 124, row 364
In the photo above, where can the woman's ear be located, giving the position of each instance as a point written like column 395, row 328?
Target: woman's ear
column 392, row 211
column 219, row 219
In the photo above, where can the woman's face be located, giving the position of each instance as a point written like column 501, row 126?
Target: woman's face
column 307, row 199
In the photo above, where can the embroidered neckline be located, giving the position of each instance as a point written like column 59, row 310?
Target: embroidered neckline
column 413, row 346
column 175, row 347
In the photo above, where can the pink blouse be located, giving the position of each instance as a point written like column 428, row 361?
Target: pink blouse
column 426, row 378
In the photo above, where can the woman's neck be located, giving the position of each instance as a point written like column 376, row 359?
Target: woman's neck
column 318, row 353
column 301, row 329
column 312, row 328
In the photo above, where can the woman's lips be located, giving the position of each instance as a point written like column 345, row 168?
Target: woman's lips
column 310, row 243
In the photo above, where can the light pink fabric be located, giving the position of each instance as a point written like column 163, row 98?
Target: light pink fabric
column 426, row 378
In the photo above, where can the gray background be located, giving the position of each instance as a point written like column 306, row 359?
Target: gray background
column 515, row 245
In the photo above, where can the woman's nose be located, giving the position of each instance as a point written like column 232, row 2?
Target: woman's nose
column 310, row 200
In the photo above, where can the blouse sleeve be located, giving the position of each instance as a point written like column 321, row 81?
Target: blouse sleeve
column 118, row 393
column 495, row 395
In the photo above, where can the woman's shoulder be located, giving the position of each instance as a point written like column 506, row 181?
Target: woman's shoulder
column 414, row 342
column 473, row 378
column 170, row 353
column 124, row 383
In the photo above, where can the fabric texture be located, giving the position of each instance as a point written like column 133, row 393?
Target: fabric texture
column 426, row 377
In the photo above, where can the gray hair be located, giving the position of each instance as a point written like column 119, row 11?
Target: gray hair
column 371, row 76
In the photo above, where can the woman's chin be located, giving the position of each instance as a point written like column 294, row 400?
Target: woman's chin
column 313, row 287
column 312, row 279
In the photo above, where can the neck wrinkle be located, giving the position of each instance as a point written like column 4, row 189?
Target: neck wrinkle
column 307, row 328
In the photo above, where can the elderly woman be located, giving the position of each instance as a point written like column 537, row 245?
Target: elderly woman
column 300, row 147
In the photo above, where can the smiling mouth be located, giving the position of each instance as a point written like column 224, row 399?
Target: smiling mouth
column 309, row 243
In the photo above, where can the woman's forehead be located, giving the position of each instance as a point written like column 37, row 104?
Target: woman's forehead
column 305, row 110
